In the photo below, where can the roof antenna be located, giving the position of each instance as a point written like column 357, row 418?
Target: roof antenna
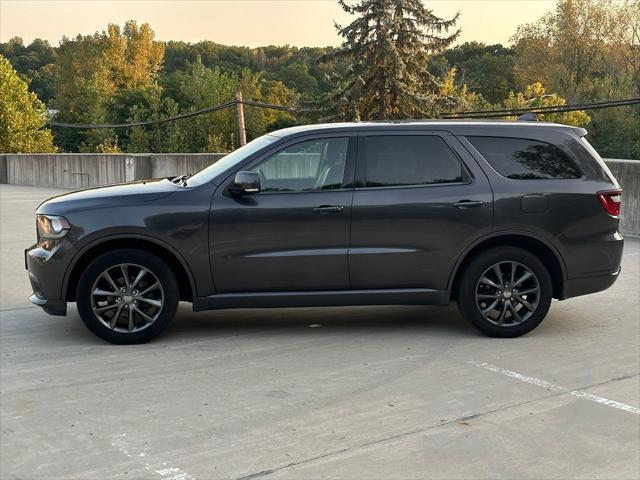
column 528, row 117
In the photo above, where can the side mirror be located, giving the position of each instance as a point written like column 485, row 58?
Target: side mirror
column 245, row 183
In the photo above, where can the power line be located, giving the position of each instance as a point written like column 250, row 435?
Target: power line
column 544, row 110
column 270, row 106
column 602, row 103
column 473, row 114
column 173, row 118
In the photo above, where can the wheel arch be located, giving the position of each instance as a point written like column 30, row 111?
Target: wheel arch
column 538, row 246
column 184, row 277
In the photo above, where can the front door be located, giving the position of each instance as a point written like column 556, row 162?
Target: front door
column 294, row 234
column 421, row 200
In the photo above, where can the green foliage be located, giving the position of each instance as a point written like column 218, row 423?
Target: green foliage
column 485, row 69
column 22, row 115
column 109, row 145
column 94, row 72
column 34, row 63
column 453, row 97
column 297, row 77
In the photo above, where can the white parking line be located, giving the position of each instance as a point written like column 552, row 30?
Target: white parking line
column 557, row 388
column 166, row 472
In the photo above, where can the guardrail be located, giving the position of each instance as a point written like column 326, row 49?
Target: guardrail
column 82, row 170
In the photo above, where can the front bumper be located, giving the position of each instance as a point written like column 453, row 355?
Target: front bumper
column 52, row 307
column 47, row 263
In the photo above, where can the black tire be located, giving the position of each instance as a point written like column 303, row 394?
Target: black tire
column 477, row 269
column 155, row 267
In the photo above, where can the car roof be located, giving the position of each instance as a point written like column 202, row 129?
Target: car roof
column 463, row 127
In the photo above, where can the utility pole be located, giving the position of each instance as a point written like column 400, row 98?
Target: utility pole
column 240, row 107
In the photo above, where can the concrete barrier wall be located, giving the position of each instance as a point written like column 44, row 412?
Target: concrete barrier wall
column 82, row 170
column 171, row 164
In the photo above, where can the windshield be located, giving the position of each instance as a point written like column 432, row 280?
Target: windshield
column 228, row 161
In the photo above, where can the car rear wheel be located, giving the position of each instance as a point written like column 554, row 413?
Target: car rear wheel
column 505, row 292
column 127, row 296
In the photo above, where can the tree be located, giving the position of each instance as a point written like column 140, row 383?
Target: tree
column 91, row 74
column 388, row 45
column 568, row 49
column 133, row 57
column 22, row 115
column 625, row 38
column 200, row 87
column 453, row 98
column 297, row 76
column 485, row 69
column 33, row 63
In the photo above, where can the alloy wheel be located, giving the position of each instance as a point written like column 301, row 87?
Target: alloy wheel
column 507, row 294
column 127, row 298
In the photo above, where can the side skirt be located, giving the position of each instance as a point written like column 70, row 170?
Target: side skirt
column 324, row 298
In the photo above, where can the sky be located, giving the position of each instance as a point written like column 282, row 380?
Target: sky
column 244, row 22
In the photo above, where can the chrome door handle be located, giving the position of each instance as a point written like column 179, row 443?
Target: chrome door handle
column 328, row 209
column 462, row 204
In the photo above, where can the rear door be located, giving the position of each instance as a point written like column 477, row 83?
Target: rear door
column 420, row 200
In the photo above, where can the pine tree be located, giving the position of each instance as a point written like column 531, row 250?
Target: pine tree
column 389, row 44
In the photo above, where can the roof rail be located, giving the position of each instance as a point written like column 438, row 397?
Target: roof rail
column 527, row 117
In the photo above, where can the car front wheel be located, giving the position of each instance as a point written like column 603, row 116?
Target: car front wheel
column 127, row 296
column 505, row 292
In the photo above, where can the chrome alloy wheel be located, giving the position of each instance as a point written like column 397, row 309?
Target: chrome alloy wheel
column 507, row 294
column 127, row 298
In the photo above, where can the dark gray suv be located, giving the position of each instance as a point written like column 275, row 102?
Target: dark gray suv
column 500, row 216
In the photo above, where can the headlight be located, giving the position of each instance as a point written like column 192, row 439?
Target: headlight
column 51, row 226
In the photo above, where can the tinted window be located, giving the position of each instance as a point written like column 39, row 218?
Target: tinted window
column 312, row 165
column 523, row 159
column 410, row 160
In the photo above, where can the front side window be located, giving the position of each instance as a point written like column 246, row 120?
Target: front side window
column 306, row 166
column 523, row 159
column 404, row 160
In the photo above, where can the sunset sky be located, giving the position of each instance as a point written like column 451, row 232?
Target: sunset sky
column 244, row 22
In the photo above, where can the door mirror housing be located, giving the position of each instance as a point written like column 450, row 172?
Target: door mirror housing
column 245, row 183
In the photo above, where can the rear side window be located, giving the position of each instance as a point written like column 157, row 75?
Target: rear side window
column 403, row 160
column 523, row 159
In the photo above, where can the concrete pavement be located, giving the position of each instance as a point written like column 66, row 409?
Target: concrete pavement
column 373, row 392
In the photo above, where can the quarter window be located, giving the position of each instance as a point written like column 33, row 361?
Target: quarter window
column 403, row 160
column 523, row 159
column 306, row 166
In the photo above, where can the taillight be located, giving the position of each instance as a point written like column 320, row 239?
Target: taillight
column 611, row 201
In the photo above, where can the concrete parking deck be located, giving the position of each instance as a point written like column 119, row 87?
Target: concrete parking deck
column 370, row 392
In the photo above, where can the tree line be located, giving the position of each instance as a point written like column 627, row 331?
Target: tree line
column 398, row 60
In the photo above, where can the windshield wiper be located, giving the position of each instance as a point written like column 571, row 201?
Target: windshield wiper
column 182, row 179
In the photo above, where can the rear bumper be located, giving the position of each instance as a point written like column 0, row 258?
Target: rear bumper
column 585, row 286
